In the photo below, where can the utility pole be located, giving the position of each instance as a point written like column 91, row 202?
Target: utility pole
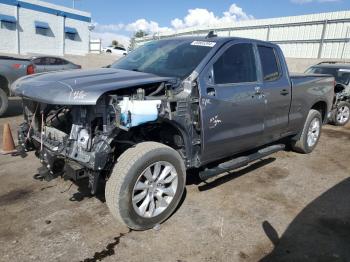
column 74, row 3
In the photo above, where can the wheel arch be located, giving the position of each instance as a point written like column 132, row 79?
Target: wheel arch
column 322, row 107
column 166, row 132
column 4, row 84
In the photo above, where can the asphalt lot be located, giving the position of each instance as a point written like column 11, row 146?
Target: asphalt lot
column 287, row 207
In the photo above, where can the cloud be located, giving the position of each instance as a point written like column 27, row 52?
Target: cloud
column 108, row 37
column 204, row 17
column 147, row 26
column 194, row 18
column 109, row 32
column 313, row 1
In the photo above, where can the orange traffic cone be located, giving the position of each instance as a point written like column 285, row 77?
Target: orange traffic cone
column 8, row 145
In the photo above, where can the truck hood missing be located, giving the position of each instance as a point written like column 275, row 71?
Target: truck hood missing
column 80, row 87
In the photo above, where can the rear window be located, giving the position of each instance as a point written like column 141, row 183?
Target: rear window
column 341, row 75
column 269, row 63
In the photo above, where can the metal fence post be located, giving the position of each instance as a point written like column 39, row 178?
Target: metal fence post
column 322, row 39
column 64, row 36
column 347, row 40
column 268, row 33
column 18, row 33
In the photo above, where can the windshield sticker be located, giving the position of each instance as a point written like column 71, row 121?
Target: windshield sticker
column 203, row 43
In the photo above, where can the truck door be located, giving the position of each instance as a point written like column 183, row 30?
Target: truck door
column 231, row 103
column 277, row 91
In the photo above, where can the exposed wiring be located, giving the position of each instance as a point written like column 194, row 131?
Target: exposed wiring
column 160, row 88
column 42, row 132
column 30, row 125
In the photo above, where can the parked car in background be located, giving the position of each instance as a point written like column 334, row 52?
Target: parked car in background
column 340, row 115
column 211, row 103
column 11, row 69
column 116, row 50
column 50, row 63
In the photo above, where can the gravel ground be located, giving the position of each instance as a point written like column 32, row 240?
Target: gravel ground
column 287, row 207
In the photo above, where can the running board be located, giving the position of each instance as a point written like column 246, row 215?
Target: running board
column 240, row 161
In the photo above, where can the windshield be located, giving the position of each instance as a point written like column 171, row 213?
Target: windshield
column 174, row 58
column 342, row 76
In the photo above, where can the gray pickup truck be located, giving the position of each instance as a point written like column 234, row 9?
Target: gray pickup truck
column 11, row 69
column 209, row 103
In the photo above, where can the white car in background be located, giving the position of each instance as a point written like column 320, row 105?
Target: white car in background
column 115, row 50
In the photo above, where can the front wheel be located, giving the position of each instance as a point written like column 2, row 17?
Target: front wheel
column 342, row 114
column 310, row 135
column 146, row 185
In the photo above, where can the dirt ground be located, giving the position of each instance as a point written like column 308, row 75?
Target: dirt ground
column 286, row 207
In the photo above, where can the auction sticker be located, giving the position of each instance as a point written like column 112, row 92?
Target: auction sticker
column 203, row 43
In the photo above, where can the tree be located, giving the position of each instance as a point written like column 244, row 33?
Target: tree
column 115, row 43
column 140, row 33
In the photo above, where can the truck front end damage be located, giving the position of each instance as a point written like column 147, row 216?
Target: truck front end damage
column 84, row 141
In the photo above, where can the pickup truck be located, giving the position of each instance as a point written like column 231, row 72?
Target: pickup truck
column 207, row 103
column 11, row 69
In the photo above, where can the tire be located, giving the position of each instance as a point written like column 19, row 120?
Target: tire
column 3, row 102
column 341, row 114
column 109, row 52
column 128, row 172
column 302, row 145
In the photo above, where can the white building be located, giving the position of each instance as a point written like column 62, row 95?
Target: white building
column 31, row 26
column 323, row 35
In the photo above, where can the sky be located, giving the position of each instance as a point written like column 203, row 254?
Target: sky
column 119, row 20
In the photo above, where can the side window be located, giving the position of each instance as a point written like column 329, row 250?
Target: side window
column 63, row 62
column 59, row 61
column 269, row 63
column 50, row 61
column 37, row 61
column 236, row 65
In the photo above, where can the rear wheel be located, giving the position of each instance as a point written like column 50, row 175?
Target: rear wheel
column 3, row 102
column 146, row 185
column 311, row 133
column 342, row 114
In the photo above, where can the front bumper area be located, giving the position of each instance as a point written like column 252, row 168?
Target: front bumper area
column 53, row 146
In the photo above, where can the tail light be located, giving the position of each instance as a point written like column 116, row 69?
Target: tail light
column 79, row 66
column 30, row 69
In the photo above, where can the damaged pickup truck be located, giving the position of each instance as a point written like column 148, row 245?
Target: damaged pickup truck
column 210, row 103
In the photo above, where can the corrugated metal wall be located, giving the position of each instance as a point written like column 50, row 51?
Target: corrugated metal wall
column 324, row 35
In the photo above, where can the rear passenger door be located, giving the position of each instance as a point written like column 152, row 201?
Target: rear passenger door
column 276, row 91
column 231, row 103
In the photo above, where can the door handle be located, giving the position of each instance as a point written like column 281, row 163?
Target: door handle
column 211, row 91
column 284, row 92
